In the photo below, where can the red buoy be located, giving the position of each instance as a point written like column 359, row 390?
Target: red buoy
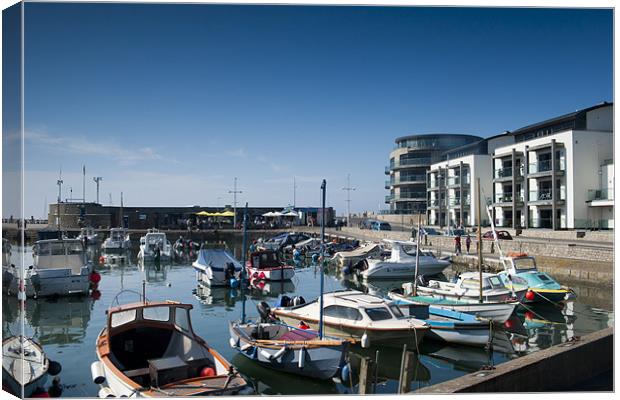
column 207, row 371
column 95, row 294
column 261, row 276
column 508, row 324
column 529, row 315
column 101, row 259
column 95, row 277
column 530, row 295
column 303, row 325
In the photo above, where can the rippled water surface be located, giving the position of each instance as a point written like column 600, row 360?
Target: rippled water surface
column 67, row 327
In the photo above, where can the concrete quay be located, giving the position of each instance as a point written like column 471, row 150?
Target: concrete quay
column 567, row 365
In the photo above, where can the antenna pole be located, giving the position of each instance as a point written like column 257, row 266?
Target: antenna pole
column 83, row 184
column 97, row 179
column 243, row 258
column 234, row 192
column 348, row 188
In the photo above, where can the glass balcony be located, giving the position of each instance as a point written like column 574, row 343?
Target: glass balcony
column 456, row 180
column 505, row 172
column 455, row 201
column 507, row 197
column 406, row 179
column 544, row 166
column 389, row 198
column 602, row 194
column 423, row 161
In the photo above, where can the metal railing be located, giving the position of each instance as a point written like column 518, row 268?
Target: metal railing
column 423, row 161
column 455, row 201
column 505, row 172
column 594, row 224
column 600, row 194
column 410, row 196
column 507, row 197
column 406, row 179
column 546, row 195
column 456, row 180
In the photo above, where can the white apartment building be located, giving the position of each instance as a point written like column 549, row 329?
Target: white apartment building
column 451, row 184
column 556, row 174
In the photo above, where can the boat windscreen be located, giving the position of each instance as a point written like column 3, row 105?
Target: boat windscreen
column 524, row 264
column 122, row 317
column 181, row 319
column 396, row 311
column 378, row 313
column 156, row 313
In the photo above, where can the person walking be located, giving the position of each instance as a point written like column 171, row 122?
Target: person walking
column 457, row 245
column 467, row 243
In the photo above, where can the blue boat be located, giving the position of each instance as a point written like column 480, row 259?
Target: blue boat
column 447, row 325
column 542, row 287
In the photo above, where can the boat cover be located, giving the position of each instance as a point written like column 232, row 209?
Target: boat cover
column 217, row 259
column 359, row 252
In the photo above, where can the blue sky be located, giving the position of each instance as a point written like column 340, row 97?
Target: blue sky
column 169, row 102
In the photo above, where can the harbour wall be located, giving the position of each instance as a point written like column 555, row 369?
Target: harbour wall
column 567, row 365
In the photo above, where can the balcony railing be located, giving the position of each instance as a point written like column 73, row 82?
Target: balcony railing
column 602, row 194
column 454, row 201
column 507, row 197
column 546, row 195
column 544, row 166
column 423, row 161
column 389, row 198
column 505, row 172
column 433, row 203
column 406, row 179
column 456, row 180
column 410, row 196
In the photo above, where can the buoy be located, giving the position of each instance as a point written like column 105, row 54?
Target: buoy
column 95, row 277
column 207, row 371
column 105, row 392
column 232, row 342
column 365, row 341
column 530, row 295
column 529, row 315
column 233, row 283
column 344, row 373
column 101, row 259
column 54, row 368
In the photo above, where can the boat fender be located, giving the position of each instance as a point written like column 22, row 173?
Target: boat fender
column 54, row 368
column 97, row 372
column 345, row 373
column 365, row 341
column 234, row 283
column 233, row 343
column 303, row 325
column 105, row 392
column 302, row 358
column 275, row 355
column 255, row 353
column 246, row 346
column 298, row 300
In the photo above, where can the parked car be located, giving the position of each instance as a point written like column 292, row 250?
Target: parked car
column 503, row 235
column 381, row 226
column 366, row 223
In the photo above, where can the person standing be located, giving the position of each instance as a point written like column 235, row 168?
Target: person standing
column 467, row 243
column 457, row 245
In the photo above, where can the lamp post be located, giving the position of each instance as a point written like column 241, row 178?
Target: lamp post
column 348, row 188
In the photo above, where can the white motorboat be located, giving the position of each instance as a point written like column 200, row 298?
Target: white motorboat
column 215, row 266
column 359, row 316
column 402, row 263
column 149, row 349
column 60, row 268
column 25, row 366
column 154, row 246
column 88, row 236
column 118, row 240
column 266, row 265
column 467, row 288
column 350, row 258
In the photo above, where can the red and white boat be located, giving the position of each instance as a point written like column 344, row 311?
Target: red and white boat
column 266, row 265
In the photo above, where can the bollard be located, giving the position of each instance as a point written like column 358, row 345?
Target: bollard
column 406, row 372
column 366, row 375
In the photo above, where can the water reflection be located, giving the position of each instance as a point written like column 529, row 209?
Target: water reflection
column 216, row 295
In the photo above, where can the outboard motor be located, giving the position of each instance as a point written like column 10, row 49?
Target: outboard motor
column 229, row 272
column 285, row 301
column 298, row 300
column 422, row 281
column 264, row 311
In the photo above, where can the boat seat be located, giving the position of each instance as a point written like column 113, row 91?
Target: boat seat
column 296, row 335
column 136, row 372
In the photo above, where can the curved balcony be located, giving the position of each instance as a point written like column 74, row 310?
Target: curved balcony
column 410, row 162
column 420, row 196
column 408, row 180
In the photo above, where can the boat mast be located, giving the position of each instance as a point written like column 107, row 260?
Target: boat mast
column 417, row 257
column 121, row 215
column 243, row 258
column 323, row 187
column 479, row 240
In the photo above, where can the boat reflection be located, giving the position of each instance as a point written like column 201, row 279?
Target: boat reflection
column 154, row 272
column 216, row 295
column 266, row 382
column 389, row 361
column 260, row 288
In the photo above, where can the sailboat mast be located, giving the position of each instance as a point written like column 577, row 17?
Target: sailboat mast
column 121, row 224
column 417, row 257
column 323, row 187
column 243, row 261
column 479, row 240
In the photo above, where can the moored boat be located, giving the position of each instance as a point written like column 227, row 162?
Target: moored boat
column 266, row 265
column 215, row 266
column 352, row 257
column 356, row 315
column 149, row 349
column 118, row 240
column 402, row 263
column 154, row 246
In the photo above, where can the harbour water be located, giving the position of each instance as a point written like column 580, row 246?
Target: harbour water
column 67, row 327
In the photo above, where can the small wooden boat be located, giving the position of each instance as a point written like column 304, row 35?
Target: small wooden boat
column 447, row 325
column 356, row 315
column 498, row 312
column 215, row 266
column 266, row 265
column 149, row 349
column 289, row 349
column 542, row 287
column 24, row 365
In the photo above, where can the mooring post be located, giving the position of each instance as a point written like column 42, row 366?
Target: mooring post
column 365, row 375
column 406, row 373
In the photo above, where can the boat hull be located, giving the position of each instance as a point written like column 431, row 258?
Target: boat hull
column 390, row 270
column 60, row 282
column 320, row 362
